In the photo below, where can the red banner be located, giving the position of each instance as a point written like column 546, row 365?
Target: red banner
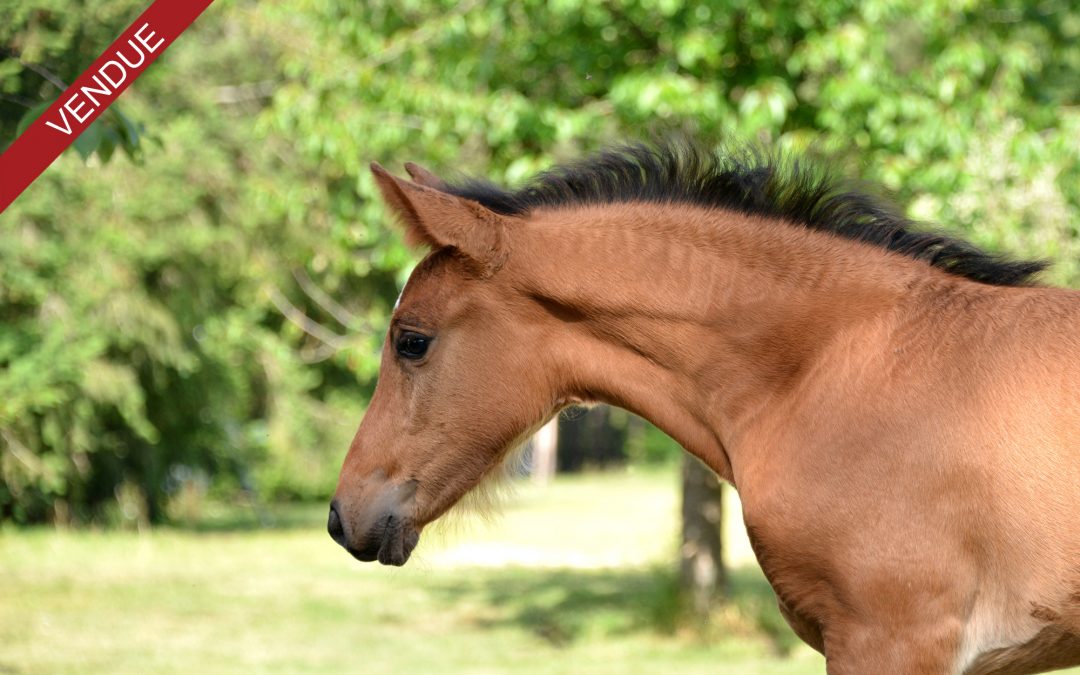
column 96, row 89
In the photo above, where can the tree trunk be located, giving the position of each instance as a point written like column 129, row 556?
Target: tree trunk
column 592, row 439
column 701, row 556
column 545, row 445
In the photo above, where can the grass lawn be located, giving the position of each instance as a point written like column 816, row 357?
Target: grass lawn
column 574, row 577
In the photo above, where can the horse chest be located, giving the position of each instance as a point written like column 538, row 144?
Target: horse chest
column 828, row 595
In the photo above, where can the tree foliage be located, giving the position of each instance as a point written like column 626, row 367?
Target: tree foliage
column 39, row 40
column 212, row 310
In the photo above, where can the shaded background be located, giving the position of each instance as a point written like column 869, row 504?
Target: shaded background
column 193, row 298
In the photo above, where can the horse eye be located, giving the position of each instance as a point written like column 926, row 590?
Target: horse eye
column 412, row 345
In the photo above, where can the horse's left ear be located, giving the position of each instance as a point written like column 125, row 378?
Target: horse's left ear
column 440, row 220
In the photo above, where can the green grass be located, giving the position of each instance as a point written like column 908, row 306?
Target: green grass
column 575, row 577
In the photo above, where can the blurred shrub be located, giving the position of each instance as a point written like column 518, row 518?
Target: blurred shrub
column 40, row 39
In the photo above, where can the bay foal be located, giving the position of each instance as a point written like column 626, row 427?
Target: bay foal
column 899, row 411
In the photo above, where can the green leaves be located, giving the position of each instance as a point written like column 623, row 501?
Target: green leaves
column 88, row 141
column 32, row 114
column 766, row 105
column 111, row 131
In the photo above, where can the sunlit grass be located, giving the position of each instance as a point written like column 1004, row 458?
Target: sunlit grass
column 575, row 577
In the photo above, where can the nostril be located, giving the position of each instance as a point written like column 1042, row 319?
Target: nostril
column 334, row 526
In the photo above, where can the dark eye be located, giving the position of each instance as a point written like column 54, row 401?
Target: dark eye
column 412, row 345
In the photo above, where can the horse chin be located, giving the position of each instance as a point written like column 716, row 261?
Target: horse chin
column 391, row 544
column 397, row 545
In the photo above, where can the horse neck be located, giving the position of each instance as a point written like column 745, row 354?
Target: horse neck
column 699, row 320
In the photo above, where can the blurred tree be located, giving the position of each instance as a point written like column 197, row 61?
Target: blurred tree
column 157, row 320
column 45, row 46
column 543, row 453
column 592, row 438
column 701, row 555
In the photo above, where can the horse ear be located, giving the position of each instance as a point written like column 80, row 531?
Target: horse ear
column 422, row 176
column 440, row 220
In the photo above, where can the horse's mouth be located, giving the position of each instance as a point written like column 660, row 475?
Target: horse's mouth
column 392, row 542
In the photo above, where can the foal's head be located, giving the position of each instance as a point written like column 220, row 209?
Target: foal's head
column 460, row 381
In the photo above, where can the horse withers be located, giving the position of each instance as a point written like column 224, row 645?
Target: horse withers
column 899, row 411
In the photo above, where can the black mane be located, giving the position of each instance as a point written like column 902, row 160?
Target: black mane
column 751, row 182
